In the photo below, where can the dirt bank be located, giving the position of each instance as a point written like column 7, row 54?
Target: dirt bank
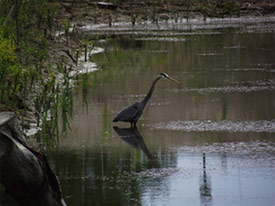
column 104, row 19
column 138, row 11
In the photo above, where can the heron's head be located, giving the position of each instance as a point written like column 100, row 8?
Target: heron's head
column 166, row 76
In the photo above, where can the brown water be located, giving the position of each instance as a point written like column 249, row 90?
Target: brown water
column 208, row 141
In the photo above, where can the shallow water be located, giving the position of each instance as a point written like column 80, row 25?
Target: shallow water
column 207, row 141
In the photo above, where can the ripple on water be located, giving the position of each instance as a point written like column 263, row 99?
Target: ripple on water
column 156, row 173
column 251, row 153
column 235, row 87
column 226, row 89
column 221, row 126
column 176, row 39
column 236, row 148
column 209, row 54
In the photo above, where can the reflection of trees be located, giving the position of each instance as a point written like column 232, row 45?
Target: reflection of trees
column 104, row 175
column 132, row 137
column 205, row 186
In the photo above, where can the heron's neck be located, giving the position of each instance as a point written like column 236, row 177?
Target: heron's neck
column 149, row 94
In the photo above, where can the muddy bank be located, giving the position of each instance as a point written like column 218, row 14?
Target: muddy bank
column 93, row 21
column 139, row 11
column 88, row 20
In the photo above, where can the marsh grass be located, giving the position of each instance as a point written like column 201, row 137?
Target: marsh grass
column 84, row 87
column 67, row 26
column 66, row 98
column 28, row 81
column 53, row 105
column 134, row 17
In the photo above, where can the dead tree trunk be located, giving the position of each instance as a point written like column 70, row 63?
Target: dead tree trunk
column 25, row 174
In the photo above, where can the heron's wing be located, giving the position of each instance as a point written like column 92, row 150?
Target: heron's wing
column 128, row 113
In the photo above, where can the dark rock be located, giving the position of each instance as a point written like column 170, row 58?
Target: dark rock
column 25, row 173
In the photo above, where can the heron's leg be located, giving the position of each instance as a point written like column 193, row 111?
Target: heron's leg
column 132, row 124
column 135, row 124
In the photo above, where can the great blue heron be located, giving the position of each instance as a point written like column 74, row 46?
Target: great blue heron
column 133, row 113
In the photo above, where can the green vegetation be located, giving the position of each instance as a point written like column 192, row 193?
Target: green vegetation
column 11, row 74
column 27, row 78
column 28, row 75
column 23, row 49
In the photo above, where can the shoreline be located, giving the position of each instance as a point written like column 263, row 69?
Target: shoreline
column 145, row 30
column 93, row 23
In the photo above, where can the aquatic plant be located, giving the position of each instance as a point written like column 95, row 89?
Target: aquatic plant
column 66, row 26
column 110, row 19
column 134, row 17
column 203, row 10
column 66, row 97
column 84, row 88
column 176, row 16
column 87, row 45
column 155, row 17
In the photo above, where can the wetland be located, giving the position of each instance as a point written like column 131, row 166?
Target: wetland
column 208, row 141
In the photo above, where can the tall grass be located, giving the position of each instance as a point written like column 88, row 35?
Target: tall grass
column 27, row 78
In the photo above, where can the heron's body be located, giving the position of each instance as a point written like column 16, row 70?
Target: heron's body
column 133, row 113
column 129, row 114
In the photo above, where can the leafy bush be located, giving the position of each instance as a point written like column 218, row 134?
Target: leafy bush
column 27, row 77
column 11, row 72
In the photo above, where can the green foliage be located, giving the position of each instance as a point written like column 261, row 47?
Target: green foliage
column 12, row 75
column 25, row 72
column 229, row 7
column 134, row 18
column 67, row 26
column 23, row 47
column 66, row 101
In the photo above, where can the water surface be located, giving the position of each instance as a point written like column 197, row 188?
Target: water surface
column 207, row 141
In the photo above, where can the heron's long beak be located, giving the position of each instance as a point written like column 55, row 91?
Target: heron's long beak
column 174, row 80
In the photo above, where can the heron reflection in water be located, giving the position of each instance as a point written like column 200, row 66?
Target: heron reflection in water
column 132, row 137
column 133, row 113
